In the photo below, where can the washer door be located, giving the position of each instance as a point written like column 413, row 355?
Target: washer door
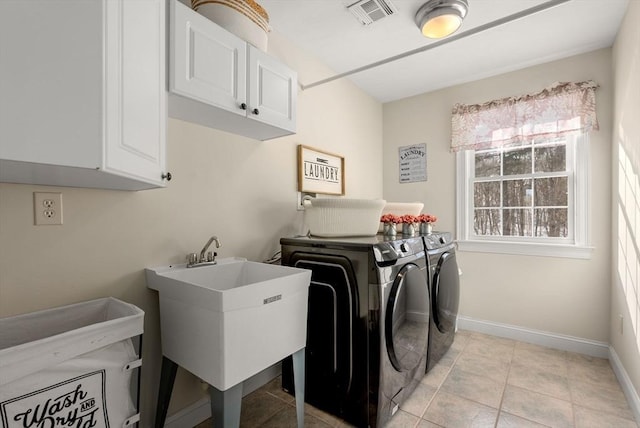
column 446, row 293
column 407, row 318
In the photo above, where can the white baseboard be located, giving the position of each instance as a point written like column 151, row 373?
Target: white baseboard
column 625, row 382
column 200, row 411
column 538, row 337
column 190, row 416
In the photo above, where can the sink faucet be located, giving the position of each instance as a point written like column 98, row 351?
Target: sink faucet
column 213, row 238
column 210, row 258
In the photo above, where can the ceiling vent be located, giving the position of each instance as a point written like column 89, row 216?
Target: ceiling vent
column 370, row 11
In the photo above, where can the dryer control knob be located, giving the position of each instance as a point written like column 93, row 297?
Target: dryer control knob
column 442, row 240
column 403, row 247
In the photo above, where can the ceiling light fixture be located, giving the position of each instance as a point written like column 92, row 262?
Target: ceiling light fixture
column 440, row 18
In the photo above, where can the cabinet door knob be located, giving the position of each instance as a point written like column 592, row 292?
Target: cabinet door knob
column 243, row 106
column 166, row 176
column 256, row 111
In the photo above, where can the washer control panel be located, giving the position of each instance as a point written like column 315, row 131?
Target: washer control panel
column 391, row 251
column 437, row 240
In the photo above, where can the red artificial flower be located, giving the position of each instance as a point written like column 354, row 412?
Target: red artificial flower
column 390, row 218
column 427, row 218
column 408, row 218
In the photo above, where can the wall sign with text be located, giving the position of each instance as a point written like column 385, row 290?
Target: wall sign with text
column 412, row 163
column 320, row 172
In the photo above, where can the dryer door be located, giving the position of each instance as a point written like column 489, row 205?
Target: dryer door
column 407, row 318
column 446, row 292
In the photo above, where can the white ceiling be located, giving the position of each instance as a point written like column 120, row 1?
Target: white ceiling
column 329, row 31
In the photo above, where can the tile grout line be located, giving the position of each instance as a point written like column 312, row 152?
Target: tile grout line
column 573, row 405
column 535, row 392
column 504, row 389
column 455, row 360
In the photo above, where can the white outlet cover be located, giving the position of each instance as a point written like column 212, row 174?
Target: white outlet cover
column 47, row 208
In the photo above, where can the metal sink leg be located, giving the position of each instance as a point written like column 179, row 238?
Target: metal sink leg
column 225, row 406
column 298, row 379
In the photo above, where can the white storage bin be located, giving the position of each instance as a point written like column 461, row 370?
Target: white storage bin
column 246, row 19
column 402, row 208
column 329, row 217
column 70, row 366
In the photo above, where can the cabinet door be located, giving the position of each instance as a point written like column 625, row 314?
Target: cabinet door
column 272, row 91
column 135, row 96
column 207, row 63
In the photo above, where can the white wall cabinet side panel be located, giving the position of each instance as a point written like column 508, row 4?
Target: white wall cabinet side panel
column 51, row 82
column 273, row 91
column 213, row 82
column 135, row 95
column 207, row 62
column 83, row 100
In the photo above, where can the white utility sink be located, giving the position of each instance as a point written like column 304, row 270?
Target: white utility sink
column 229, row 321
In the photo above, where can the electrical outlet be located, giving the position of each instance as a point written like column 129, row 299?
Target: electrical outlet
column 301, row 196
column 47, row 208
column 621, row 323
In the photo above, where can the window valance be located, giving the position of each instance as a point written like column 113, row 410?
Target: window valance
column 563, row 108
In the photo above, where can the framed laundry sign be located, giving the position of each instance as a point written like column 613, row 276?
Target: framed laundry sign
column 320, row 172
column 412, row 163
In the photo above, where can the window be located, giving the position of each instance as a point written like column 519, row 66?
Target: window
column 522, row 191
column 527, row 198
column 523, row 172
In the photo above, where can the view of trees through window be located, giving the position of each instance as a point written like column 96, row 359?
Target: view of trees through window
column 522, row 191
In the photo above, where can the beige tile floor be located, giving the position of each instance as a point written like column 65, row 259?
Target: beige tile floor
column 483, row 381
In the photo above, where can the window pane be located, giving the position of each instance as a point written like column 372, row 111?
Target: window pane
column 487, row 164
column 551, row 192
column 551, row 222
column 517, row 161
column 517, row 222
column 486, row 222
column 517, row 193
column 486, row 194
column 550, row 159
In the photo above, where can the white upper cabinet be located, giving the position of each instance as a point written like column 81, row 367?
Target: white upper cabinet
column 220, row 81
column 83, row 98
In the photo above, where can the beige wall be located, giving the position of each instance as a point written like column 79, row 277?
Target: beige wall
column 244, row 192
column 626, row 217
column 241, row 190
column 563, row 296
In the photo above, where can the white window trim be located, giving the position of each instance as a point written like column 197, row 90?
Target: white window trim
column 580, row 247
